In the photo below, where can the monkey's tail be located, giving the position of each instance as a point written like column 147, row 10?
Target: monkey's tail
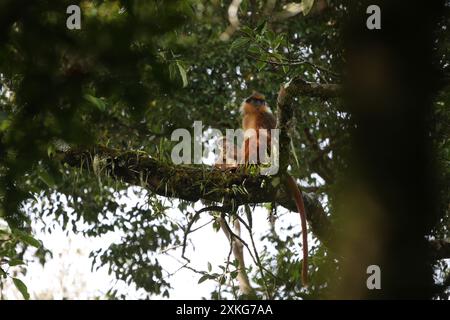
column 297, row 195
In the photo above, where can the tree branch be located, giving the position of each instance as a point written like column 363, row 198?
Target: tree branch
column 324, row 90
column 300, row 88
column 193, row 183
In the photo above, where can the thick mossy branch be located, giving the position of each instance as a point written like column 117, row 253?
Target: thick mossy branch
column 301, row 88
column 285, row 115
column 298, row 87
column 193, row 183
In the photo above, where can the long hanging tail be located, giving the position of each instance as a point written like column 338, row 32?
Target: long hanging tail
column 297, row 195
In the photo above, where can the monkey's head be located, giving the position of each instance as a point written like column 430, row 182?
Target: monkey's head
column 255, row 103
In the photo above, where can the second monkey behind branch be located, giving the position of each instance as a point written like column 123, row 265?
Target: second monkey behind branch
column 257, row 115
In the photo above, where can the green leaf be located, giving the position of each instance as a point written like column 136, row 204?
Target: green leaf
column 271, row 36
column 295, row 154
column 15, row 262
column 279, row 57
column 209, row 267
column 204, row 278
column 275, row 182
column 307, row 6
column 4, row 124
column 260, row 65
column 239, row 43
column 261, row 28
column 247, row 30
column 277, row 42
column 47, row 178
column 183, row 75
column 173, row 70
column 27, row 238
column 254, row 49
column 22, row 288
column 99, row 103
column 51, row 150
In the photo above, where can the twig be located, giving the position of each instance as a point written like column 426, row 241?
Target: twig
column 186, row 233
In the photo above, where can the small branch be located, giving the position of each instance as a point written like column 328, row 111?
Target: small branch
column 319, row 164
column 276, row 63
column 233, row 19
column 236, row 244
column 288, row 62
column 247, row 289
column 187, row 231
column 315, row 66
column 249, row 229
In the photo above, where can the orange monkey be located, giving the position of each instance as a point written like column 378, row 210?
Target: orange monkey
column 257, row 115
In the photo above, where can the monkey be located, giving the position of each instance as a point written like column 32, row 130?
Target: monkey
column 227, row 159
column 256, row 115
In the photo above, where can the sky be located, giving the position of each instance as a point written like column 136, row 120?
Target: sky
column 69, row 273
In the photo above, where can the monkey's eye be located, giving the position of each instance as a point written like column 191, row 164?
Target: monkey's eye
column 256, row 102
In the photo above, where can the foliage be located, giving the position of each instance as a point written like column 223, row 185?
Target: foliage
column 136, row 71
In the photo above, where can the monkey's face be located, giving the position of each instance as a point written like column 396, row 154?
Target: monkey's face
column 254, row 105
column 257, row 102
